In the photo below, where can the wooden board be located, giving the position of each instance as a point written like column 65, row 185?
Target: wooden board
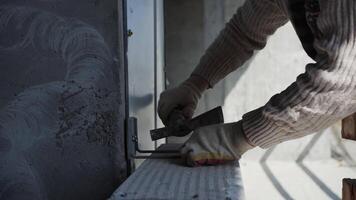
column 349, row 127
column 348, row 189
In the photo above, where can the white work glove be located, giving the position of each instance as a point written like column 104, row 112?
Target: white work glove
column 184, row 97
column 215, row 144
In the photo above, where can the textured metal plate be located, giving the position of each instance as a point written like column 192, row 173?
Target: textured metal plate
column 170, row 179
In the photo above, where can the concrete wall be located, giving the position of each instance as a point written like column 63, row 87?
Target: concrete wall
column 61, row 99
column 190, row 26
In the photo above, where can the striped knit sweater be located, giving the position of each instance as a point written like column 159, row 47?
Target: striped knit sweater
column 322, row 95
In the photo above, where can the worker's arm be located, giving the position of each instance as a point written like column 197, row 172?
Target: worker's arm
column 322, row 95
column 246, row 32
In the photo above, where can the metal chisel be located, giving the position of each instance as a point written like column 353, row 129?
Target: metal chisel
column 179, row 126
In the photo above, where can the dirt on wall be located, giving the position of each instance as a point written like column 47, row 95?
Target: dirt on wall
column 61, row 100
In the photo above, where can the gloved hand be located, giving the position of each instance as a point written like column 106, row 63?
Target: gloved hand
column 183, row 97
column 215, row 144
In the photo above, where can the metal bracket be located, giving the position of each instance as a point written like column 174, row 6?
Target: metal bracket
column 132, row 146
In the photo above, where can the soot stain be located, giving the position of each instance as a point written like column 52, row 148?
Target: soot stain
column 94, row 117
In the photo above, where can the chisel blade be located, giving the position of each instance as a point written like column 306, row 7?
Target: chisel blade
column 180, row 128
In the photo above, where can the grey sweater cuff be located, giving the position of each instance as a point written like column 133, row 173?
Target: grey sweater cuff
column 259, row 130
column 241, row 141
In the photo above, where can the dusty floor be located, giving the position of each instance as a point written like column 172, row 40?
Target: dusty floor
column 308, row 168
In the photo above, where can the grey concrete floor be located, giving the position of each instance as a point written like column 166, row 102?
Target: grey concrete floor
column 308, row 168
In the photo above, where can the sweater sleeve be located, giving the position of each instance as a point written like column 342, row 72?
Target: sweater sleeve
column 246, row 31
column 322, row 95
